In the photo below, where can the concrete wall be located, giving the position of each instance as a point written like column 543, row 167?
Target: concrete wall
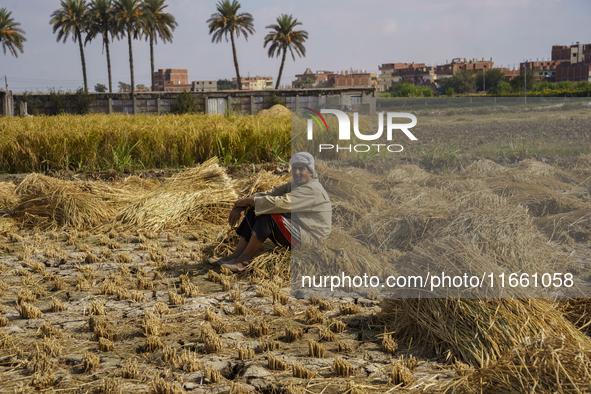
column 6, row 103
column 247, row 102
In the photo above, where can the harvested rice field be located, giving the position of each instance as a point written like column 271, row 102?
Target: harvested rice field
column 105, row 285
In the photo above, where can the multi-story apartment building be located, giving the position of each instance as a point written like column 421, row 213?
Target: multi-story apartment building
column 171, row 80
column 254, row 83
column 309, row 79
column 391, row 73
column 204, row 86
column 578, row 66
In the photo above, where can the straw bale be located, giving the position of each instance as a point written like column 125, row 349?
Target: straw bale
column 8, row 197
column 476, row 331
column 351, row 195
column 534, row 167
column 550, row 364
column 503, row 231
column 577, row 311
column 340, row 252
column 400, row 227
column 261, row 182
column 410, row 194
column 485, row 167
column 540, row 200
column 199, row 194
column 408, row 173
column 574, row 226
column 51, row 203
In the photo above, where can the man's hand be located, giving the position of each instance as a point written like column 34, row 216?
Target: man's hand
column 244, row 202
column 235, row 216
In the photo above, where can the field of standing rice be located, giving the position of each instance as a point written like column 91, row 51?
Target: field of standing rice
column 104, row 285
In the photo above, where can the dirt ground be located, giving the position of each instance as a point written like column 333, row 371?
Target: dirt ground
column 168, row 322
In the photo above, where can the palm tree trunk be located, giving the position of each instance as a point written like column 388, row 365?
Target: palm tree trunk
column 152, row 58
column 238, row 81
column 109, row 64
column 281, row 69
column 83, row 60
column 131, row 68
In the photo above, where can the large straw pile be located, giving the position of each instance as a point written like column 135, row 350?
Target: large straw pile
column 548, row 365
column 476, row 331
column 200, row 194
column 51, row 203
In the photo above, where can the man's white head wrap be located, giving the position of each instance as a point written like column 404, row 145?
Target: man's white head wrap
column 304, row 158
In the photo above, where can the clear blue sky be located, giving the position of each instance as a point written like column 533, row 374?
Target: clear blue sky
column 342, row 35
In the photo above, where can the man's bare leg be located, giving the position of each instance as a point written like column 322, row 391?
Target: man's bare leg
column 253, row 246
column 242, row 244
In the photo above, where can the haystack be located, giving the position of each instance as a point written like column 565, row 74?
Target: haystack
column 351, row 194
column 548, row 365
column 261, row 182
column 408, row 173
column 50, row 203
column 276, row 110
column 476, row 331
column 577, row 311
column 203, row 193
column 569, row 227
column 485, row 167
column 8, row 197
column 504, row 231
column 339, row 253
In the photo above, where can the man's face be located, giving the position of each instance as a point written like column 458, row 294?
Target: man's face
column 301, row 174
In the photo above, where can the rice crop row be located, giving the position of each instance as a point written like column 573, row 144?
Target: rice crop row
column 121, row 142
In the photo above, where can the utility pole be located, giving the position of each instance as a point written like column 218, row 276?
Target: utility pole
column 6, row 82
column 525, row 82
column 484, row 79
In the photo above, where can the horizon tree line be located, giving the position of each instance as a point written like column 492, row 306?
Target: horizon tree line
column 83, row 21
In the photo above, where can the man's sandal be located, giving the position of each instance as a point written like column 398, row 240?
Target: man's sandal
column 232, row 265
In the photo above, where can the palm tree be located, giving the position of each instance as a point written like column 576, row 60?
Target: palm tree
column 130, row 21
column 158, row 24
column 101, row 21
column 11, row 36
column 283, row 37
column 72, row 18
column 227, row 20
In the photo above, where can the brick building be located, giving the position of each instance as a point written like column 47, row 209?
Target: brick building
column 353, row 79
column 545, row 69
column 391, row 73
column 172, row 80
column 254, row 83
column 457, row 64
column 578, row 66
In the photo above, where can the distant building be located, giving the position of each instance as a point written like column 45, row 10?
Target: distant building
column 204, row 86
column 509, row 73
column 578, row 67
column 472, row 65
column 171, row 80
column 352, row 79
column 318, row 79
column 254, row 83
column 390, row 74
column 545, row 69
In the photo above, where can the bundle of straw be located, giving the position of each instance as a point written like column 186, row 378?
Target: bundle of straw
column 50, row 203
column 203, row 193
column 261, row 182
column 476, row 331
column 570, row 227
column 548, row 365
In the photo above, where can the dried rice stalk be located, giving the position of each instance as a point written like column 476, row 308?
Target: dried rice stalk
column 199, row 194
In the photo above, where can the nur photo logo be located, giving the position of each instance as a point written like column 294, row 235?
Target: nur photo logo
column 344, row 130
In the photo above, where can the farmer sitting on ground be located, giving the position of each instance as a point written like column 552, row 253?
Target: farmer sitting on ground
column 271, row 215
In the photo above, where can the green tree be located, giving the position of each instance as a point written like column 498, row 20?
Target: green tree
column 492, row 78
column 517, row 82
column 130, row 22
column 101, row 21
column 503, row 87
column 185, row 103
column 224, row 84
column 462, row 82
column 228, row 21
column 301, row 83
column 158, row 24
column 141, row 86
column 71, row 18
column 282, row 37
column 11, row 36
column 100, row 88
column 124, row 87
